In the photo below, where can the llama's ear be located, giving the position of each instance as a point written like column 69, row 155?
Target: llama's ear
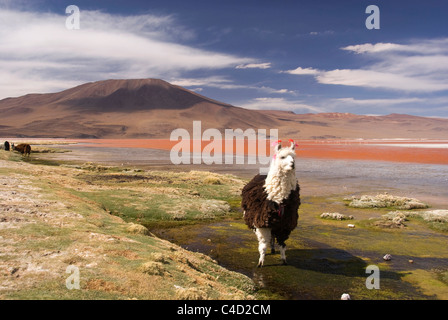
column 293, row 144
column 277, row 145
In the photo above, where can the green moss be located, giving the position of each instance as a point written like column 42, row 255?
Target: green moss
column 153, row 197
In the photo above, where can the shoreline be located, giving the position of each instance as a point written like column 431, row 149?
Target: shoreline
column 324, row 176
column 425, row 151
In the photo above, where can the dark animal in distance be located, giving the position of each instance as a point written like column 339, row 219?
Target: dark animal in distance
column 23, row 148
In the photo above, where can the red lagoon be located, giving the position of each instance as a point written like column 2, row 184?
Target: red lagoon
column 414, row 151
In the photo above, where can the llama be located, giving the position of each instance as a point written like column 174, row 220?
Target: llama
column 23, row 148
column 271, row 202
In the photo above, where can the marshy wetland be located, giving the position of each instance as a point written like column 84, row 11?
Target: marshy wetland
column 84, row 204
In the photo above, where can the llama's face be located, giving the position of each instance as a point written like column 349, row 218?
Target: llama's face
column 285, row 158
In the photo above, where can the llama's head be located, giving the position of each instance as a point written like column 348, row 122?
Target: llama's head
column 284, row 158
column 281, row 178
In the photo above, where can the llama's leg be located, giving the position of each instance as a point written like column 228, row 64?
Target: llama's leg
column 272, row 244
column 264, row 237
column 283, row 253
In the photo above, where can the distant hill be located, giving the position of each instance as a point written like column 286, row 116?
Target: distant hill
column 153, row 108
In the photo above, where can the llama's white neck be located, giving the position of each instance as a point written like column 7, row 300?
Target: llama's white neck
column 279, row 184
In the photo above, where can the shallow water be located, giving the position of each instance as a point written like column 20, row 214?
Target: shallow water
column 319, row 267
column 322, row 176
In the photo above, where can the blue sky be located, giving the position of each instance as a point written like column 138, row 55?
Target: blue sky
column 301, row 56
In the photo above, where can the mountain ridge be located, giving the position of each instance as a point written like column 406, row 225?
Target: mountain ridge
column 153, row 108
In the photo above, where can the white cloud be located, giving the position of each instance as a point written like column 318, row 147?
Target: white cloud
column 267, row 103
column 303, row 71
column 225, row 84
column 426, row 46
column 379, row 47
column 39, row 54
column 278, row 91
column 378, row 102
column 415, row 67
column 378, row 79
column 318, row 33
column 265, row 65
column 211, row 82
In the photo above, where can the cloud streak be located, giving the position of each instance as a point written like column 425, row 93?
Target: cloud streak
column 378, row 102
column 381, row 80
column 303, row 71
column 224, row 84
column 265, row 65
column 268, row 103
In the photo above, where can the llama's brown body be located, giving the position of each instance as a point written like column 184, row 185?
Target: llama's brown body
column 263, row 213
column 23, row 148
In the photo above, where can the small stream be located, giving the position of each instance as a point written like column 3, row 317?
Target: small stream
column 316, row 270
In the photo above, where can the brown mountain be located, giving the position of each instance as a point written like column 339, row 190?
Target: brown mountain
column 152, row 108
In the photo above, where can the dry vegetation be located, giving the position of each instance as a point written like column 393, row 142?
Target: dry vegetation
column 397, row 219
column 386, row 201
column 335, row 216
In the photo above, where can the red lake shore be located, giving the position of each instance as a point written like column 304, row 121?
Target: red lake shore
column 413, row 151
